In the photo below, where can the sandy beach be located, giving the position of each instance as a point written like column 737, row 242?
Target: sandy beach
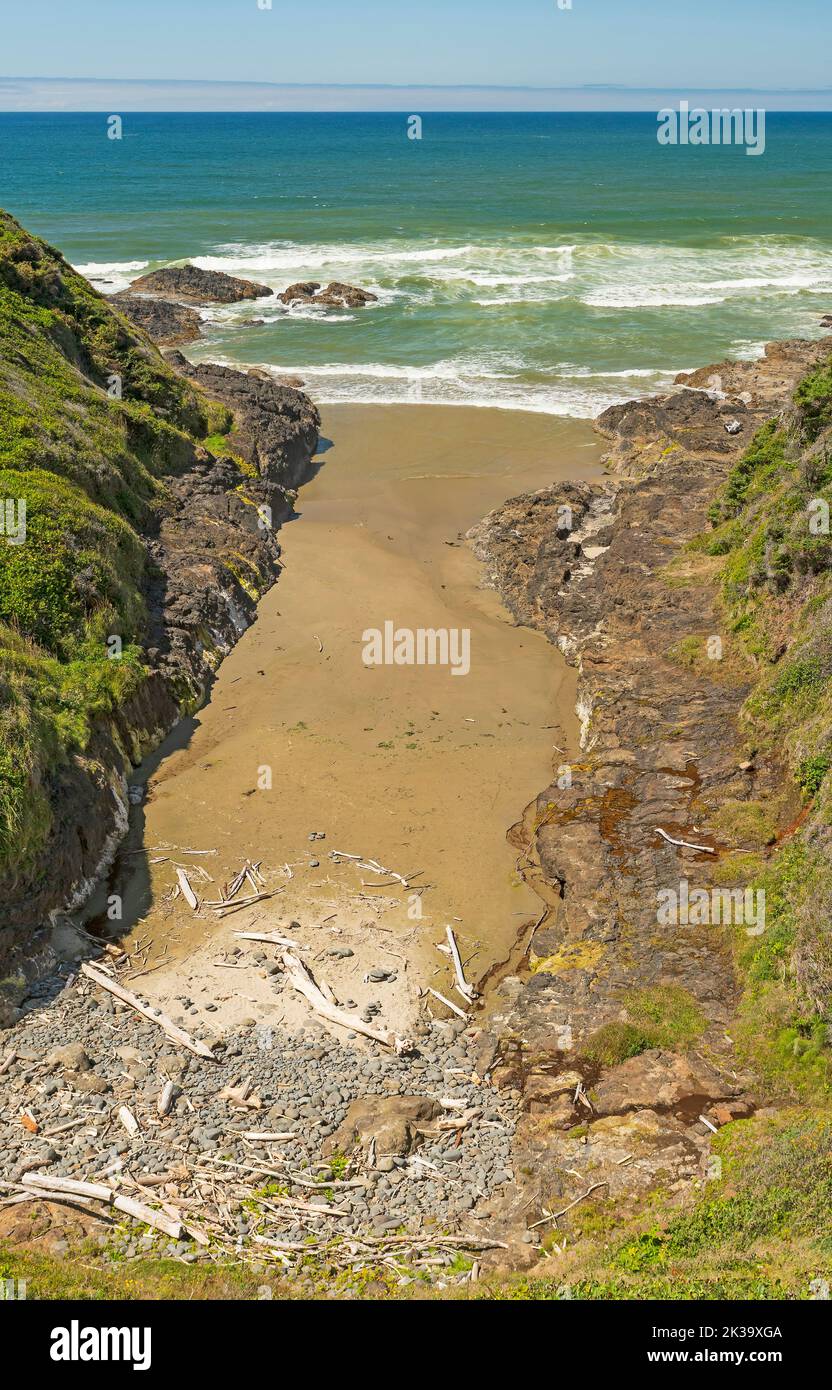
column 423, row 771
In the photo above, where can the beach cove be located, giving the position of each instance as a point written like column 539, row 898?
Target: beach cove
column 423, row 773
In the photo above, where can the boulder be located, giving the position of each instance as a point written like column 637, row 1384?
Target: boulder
column 90, row 1083
column 657, row 1080
column 71, row 1057
column 542, row 1092
column 195, row 286
column 303, row 289
column 341, row 296
column 392, row 1121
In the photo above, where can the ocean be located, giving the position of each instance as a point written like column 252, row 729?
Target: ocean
column 546, row 262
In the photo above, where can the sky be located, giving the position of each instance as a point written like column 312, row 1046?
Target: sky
column 353, row 45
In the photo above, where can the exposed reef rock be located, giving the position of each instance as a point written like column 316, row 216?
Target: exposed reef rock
column 195, row 286
column 335, row 296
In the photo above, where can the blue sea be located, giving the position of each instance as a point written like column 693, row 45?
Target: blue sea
column 548, row 262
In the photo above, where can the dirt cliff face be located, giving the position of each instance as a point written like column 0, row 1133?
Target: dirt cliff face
column 604, row 571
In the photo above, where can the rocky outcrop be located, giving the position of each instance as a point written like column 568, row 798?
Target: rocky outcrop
column 335, row 296
column 603, row 570
column 276, row 426
column 195, row 286
column 166, row 323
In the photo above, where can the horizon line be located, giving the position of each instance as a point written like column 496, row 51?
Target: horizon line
column 408, row 86
column 88, row 95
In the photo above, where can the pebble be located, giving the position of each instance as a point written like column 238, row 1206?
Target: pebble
column 306, row 1083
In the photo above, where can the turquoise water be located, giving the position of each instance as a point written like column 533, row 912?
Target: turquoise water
column 552, row 262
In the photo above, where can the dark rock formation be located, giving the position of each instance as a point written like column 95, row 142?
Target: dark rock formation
column 188, row 282
column 335, row 296
column 276, row 426
column 603, row 571
column 304, row 289
column 166, row 323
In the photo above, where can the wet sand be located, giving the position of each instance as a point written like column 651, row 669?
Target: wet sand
column 423, row 771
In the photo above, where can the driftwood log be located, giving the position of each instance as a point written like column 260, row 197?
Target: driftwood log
column 301, row 977
column 173, row 1031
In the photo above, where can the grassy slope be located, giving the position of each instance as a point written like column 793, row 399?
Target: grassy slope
column 91, row 468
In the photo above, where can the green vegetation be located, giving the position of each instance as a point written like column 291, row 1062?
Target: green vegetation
column 783, row 1026
column 92, row 421
column 746, row 824
column 777, row 598
column 759, row 465
column 813, row 399
column 663, row 1016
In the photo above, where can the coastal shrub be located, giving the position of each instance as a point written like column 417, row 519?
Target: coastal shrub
column 668, row 1015
column 813, row 399
column 219, row 420
column 762, row 460
column 797, row 684
column 613, row 1043
column 86, row 330
column 660, row 1016
column 782, row 1030
column 92, row 422
column 811, row 773
column 746, row 824
column 78, row 560
column 47, row 708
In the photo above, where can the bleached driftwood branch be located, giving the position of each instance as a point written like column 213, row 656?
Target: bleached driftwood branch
column 301, row 977
column 684, row 844
column 187, row 891
column 174, row 1032
column 466, row 990
column 449, row 1004
column 270, row 937
column 52, row 1188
